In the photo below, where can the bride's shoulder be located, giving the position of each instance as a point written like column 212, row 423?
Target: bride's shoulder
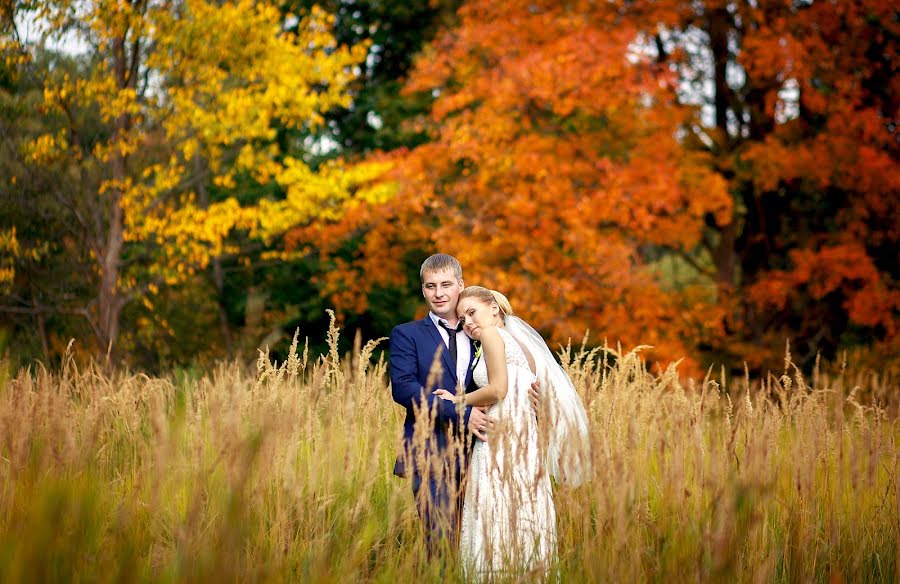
column 489, row 330
column 490, row 334
column 497, row 335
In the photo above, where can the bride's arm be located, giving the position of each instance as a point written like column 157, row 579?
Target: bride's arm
column 494, row 352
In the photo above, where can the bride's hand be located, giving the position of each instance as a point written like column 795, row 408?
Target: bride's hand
column 444, row 394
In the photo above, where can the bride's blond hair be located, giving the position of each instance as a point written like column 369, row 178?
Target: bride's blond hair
column 488, row 296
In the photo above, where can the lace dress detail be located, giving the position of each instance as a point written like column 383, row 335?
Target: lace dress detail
column 514, row 357
column 508, row 519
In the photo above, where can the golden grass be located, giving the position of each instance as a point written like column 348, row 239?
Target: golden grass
column 284, row 474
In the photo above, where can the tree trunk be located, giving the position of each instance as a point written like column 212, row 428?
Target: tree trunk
column 725, row 257
column 719, row 26
column 110, row 298
column 217, row 272
column 41, row 324
column 720, row 23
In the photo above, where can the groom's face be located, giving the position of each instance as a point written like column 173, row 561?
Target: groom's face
column 441, row 291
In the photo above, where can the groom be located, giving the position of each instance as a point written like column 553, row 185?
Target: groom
column 413, row 347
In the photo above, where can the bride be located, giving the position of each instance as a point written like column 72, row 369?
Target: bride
column 508, row 518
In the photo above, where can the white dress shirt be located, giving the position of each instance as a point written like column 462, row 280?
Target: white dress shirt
column 463, row 347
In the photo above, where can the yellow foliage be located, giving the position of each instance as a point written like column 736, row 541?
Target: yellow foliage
column 46, row 149
column 322, row 195
column 9, row 250
column 225, row 76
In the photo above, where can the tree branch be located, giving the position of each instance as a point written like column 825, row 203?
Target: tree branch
column 43, row 309
column 704, row 271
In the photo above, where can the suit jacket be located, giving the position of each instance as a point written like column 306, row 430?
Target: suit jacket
column 413, row 347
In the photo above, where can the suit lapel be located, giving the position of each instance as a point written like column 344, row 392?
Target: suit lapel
column 445, row 354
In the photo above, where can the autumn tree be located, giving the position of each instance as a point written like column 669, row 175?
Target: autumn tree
column 290, row 289
column 698, row 176
column 42, row 261
column 797, row 105
column 538, row 177
column 188, row 96
column 393, row 32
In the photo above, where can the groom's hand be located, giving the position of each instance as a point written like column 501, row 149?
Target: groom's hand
column 480, row 424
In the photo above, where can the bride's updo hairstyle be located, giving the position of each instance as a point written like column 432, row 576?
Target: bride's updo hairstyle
column 488, row 296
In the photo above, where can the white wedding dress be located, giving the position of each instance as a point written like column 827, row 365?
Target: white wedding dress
column 508, row 518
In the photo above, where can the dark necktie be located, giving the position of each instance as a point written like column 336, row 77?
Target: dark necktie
column 451, row 332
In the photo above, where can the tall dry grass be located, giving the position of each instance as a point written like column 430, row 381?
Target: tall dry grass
column 284, row 474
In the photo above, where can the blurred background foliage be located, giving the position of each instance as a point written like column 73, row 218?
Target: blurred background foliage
column 710, row 178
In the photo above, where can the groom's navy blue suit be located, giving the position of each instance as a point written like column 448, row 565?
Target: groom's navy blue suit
column 413, row 349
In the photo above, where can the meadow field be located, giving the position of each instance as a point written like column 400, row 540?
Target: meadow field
column 284, row 474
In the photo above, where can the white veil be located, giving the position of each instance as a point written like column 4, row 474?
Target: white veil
column 568, row 453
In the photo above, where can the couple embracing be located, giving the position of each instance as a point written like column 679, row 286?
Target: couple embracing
column 480, row 461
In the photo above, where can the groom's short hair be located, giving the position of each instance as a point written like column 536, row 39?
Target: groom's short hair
column 438, row 262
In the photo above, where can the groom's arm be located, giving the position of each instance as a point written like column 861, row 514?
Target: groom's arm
column 405, row 387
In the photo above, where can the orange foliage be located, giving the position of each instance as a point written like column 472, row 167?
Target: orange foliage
column 847, row 268
column 851, row 157
column 553, row 158
column 561, row 157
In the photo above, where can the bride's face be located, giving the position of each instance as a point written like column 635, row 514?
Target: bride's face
column 476, row 314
